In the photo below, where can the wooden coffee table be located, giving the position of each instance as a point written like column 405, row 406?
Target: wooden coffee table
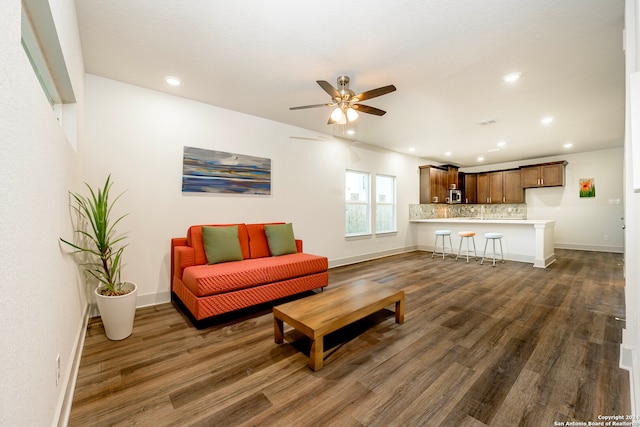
column 326, row 312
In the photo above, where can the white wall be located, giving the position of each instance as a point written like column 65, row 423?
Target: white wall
column 138, row 135
column 581, row 223
column 42, row 304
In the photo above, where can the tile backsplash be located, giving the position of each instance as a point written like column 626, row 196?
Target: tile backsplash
column 484, row 211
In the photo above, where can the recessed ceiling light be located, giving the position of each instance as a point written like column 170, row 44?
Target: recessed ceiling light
column 546, row 120
column 512, row 77
column 173, row 81
column 568, row 145
column 412, row 149
column 448, row 153
column 501, row 144
column 493, row 150
column 481, row 159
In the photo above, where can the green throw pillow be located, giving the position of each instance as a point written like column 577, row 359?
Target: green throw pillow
column 280, row 239
column 221, row 244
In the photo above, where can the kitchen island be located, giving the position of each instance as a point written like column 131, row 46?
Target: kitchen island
column 524, row 240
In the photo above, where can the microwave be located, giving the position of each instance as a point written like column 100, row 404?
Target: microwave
column 455, row 196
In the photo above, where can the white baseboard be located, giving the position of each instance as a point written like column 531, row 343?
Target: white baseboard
column 153, row 299
column 592, row 248
column 507, row 256
column 370, row 256
column 64, row 407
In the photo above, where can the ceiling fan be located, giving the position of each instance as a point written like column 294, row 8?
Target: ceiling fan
column 346, row 102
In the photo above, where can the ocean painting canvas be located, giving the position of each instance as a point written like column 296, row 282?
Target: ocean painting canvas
column 210, row 171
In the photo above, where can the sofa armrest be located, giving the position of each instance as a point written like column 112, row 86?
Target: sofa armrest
column 299, row 245
column 183, row 257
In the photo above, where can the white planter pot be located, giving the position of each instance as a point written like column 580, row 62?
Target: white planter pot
column 117, row 313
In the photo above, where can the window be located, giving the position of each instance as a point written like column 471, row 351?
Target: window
column 42, row 47
column 36, row 57
column 357, row 205
column 385, row 204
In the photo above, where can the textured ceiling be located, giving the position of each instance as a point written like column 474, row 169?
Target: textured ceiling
column 446, row 58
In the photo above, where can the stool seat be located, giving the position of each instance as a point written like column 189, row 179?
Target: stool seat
column 443, row 232
column 466, row 233
column 493, row 237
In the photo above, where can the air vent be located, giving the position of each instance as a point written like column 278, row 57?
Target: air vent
column 487, row 122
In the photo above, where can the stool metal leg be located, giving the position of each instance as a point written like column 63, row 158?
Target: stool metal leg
column 501, row 253
column 484, row 254
column 494, row 253
column 435, row 245
column 460, row 247
column 474, row 248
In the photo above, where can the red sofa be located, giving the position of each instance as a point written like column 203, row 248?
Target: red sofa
column 206, row 290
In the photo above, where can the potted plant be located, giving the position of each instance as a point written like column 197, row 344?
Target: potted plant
column 96, row 239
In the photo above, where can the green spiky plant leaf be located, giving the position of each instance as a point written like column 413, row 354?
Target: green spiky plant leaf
column 96, row 237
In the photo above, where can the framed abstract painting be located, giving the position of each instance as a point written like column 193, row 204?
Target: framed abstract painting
column 210, row 171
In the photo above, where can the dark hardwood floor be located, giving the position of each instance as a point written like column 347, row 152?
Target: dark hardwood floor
column 481, row 346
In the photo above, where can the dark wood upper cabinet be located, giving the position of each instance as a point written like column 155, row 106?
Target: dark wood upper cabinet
column 483, row 188
column 512, row 190
column 496, row 192
column 470, row 187
column 425, row 184
column 435, row 182
column 500, row 187
column 439, row 179
column 543, row 175
column 503, row 186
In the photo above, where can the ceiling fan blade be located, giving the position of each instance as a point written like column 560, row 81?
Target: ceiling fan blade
column 369, row 110
column 375, row 92
column 302, row 107
column 332, row 91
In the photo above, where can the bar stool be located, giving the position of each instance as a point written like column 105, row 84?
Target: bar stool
column 442, row 233
column 469, row 235
column 493, row 237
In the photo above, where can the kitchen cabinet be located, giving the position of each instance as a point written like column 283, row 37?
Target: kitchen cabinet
column 470, row 188
column 435, row 182
column 512, row 190
column 483, row 193
column 439, row 184
column 500, row 187
column 425, row 185
column 543, row 175
column 495, row 187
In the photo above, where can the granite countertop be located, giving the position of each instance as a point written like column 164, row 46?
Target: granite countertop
column 478, row 220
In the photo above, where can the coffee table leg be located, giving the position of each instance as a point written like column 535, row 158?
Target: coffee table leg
column 316, row 353
column 400, row 311
column 278, row 330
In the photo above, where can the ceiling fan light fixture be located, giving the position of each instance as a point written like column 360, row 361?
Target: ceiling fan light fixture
column 352, row 114
column 345, row 101
column 337, row 115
